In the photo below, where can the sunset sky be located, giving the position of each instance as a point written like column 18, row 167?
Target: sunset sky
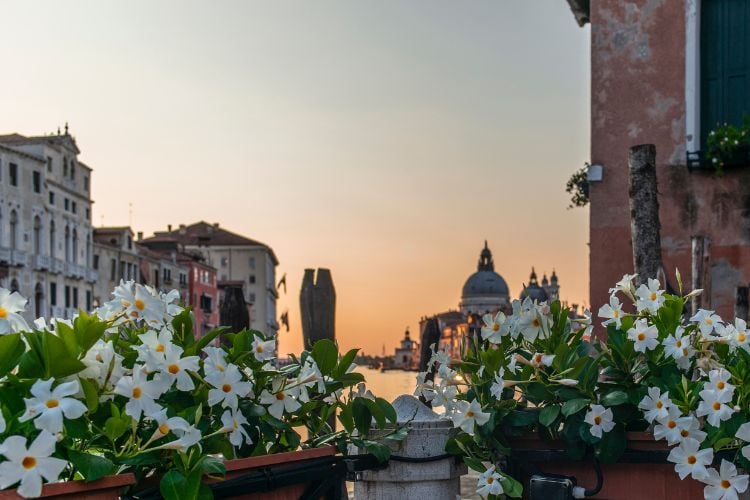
column 385, row 140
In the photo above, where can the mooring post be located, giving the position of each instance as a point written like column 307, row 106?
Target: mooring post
column 644, row 212
column 419, row 468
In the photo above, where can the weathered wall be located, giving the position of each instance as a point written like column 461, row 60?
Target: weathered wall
column 638, row 96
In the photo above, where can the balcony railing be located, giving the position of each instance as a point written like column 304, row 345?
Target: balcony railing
column 74, row 270
column 18, row 258
column 57, row 266
column 57, row 312
column 92, row 275
column 41, row 262
column 4, row 255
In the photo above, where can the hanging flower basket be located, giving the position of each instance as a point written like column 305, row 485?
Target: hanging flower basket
column 106, row 488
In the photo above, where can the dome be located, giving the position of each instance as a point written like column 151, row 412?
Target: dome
column 484, row 283
column 534, row 292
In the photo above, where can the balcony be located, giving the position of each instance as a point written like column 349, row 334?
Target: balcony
column 18, row 258
column 4, row 255
column 92, row 275
column 57, row 312
column 41, row 262
column 57, row 266
column 74, row 270
column 70, row 312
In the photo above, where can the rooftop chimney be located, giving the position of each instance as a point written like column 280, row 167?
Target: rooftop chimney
column 169, row 228
column 182, row 229
column 216, row 225
column 140, row 235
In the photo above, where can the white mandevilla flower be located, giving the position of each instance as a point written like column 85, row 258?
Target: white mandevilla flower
column 425, row 388
column 539, row 360
column 140, row 304
column 493, row 330
column 141, row 393
column 228, row 386
column 713, row 406
column 718, row 380
column 165, row 424
column 176, row 368
column 725, row 484
column 690, row 427
column 612, row 312
column 30, row 465
column 649, row 298
column 445, row 396
column 153, row 345
column 364, row 392
column 643, row 336
column 280, row 399
column 185, row 439
column 103, row 364
column 233, row 422
column 736, row 338
column 12, row 305
column 689, row 459
column 669, row 427
column 467, row 414
column 490, row 482
column 48, row 406
column 171, row 302
column 706, row 320
column 216, row 360
column 600, row 420
column 263, row 349
column 655, row 404
column 532, row 321
column 625, row 285
column 496, row 389
column 743, row 433
column 678, row 347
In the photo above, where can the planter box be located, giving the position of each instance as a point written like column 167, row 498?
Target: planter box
column 106, row 488
column 642, row 473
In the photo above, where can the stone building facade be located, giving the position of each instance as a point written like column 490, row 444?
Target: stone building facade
column 45, row 224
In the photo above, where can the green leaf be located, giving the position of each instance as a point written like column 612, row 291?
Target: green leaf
column 88, row 329
column 511, row 487
column 115, row 427
column 548, row 415
column 475, row 464
column 377, row 413
column 381, row 451
column 522, row 418
column 346, row 418
column 11, row 349
column 574, row 406
column 173, row 486
column 325, row 353
column 91, row 467
column 182, row 325
column 345, row 362
column 612, row 446
column 362, row 416
column 213, row 466
column 614, row 398
column 91, row 392
column 387, row 409
column 202, row 342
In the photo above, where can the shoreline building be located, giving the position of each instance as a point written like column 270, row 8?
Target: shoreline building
column 46, row 234
column 406, row 356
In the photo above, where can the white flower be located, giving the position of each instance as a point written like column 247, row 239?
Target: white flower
column 669, row 427
column 445, row 395
column 11, row 304
column 493, row 330
column 690, row 427
column 689, row 459
column 713, row 406
column 140, row 392
column 725, row 484
column 678, row 347
column 650, row 297
column 425, row 388
column 743, row 433
column 467, row 414
column 569, row 382
column 233, row 422
column 48, row 405
column 489, row 483
column 625, row 285
column 176, row 368
column 310, row 375
column 539, row 360
column 153, row 345
column 612, row 311
column 737, row 337
column 643, row 335
column 531, row 321
column 29, row 466
column 364, row 392
column 280, row 399
column 2, row 421
column 655, row 404
column 140, row 304
column 165, row 424
column 496, row 389
column 264, row 349
column 706, row 320
column 600, row 420
column 719, row 381
column 186, row 438
column 216, row 360
column 171, row 302
column 103, row 364
column 228, row 386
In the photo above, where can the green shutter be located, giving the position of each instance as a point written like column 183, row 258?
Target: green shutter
column 725, row 63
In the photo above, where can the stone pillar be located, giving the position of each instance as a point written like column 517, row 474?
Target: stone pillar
column 411, row 474
column 317, row 302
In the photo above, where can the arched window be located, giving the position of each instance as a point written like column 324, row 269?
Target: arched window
column 13, row 229
column 75, row 247
column 37, row 236
column 52, row 238
column 88, row 250
column 13, row 285
column 67, row 244
column 39, row 300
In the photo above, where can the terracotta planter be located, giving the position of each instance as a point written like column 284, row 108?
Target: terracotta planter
column 106, row 488
column 643, row 472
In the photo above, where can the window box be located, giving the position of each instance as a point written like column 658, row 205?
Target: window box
column 698, row 160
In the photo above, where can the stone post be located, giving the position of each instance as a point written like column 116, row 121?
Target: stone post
column 419, row 468
column 644, row 212
column 317, row 301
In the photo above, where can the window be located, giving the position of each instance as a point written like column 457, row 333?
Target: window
column 130, row 271
column 67, row 204
column 95, row 264
column 13, row 230
column 224, row 262
column 36, row 181
column 251, row 279
column 251, row 262
column 251, row 298
column 49, row 164
column 130, row 242
column 725, row 63
column 167, row 275
column 72, row 170
column 88, row 300
column 73, row 207
column 51, row 198
column 37, row 236
column 65, row 166
column 53, row 294
column 86, row 182
column 67, row 296
column 75, row 297
column 88, row 214
column 52, row 238
column 183, row 279
column 206, row 303
column 13, row 174
column 113, row 270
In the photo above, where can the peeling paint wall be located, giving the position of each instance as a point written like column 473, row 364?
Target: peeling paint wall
column 638, row 96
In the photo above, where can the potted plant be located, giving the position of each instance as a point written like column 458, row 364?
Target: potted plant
column 128, row 391
column 534, row 393
column 728, row 146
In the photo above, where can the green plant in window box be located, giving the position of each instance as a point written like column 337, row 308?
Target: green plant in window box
column 725, row 144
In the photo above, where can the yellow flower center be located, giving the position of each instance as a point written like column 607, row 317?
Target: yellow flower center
column 495, row 327
column 490, row 480
column 164, row 428
column 678, row 343
column 538, row 358
column 616, row 313
column 3, row 313
column 174, row 369
column 709, row 321
column 685, row 352
column 159, row 348
column 139, row 304
column 226, row 388
column 280, row 396
column 52, row 403
column 597, row 420
column 672, row 424
column 136, row 392
column 684, row 433
column 259, row 349
column 716, row 406
column 659, row 404
column 641, row 337
column 469, row 413
column 741, row 337
column 720, row 385
column 691, row 459
column 28, row 462
column 725, row 484
column 653, row 296
column 536, row 322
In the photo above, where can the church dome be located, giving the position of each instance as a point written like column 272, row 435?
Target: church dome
column 485, row 282
column 534, row 291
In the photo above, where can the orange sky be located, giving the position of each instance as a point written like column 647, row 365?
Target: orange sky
column 384, row 140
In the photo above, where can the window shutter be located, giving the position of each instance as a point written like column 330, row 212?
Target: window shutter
column 725, row 63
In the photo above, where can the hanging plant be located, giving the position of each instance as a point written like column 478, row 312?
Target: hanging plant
column 578, row 188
